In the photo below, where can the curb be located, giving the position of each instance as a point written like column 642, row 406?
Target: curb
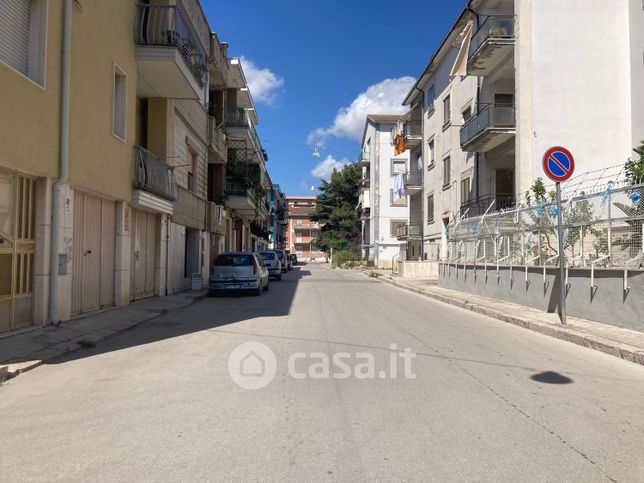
column 569, row 334
column 10, row 370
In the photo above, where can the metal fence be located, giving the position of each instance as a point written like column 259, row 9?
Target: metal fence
column 601, row 229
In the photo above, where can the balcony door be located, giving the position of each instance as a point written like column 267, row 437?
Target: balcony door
column 504, row 188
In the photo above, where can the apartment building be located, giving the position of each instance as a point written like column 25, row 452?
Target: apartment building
column 302, row 232
column 510, row 79
column 112, row 158
column 277, row 220
column 390, row 173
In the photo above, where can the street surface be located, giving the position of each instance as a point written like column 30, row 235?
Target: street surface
column 490, row 401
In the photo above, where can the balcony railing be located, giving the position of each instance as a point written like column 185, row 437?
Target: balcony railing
column 169, row 26
column 477, row 207
column 493, row 28
column 219, row 57
column 407, row 231
column 413, row 179
column 413, row 129
column 491, row 117
column 153, row 175
column 217, row 137
column 238, row 117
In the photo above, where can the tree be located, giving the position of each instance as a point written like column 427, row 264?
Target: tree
column 335, row 210
column 635, row 177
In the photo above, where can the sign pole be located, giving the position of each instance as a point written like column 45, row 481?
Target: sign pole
column 562, row 259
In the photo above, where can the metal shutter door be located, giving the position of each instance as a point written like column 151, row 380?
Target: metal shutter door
column 14, row 33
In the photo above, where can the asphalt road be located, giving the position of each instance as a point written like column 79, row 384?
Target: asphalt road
column 489, row 401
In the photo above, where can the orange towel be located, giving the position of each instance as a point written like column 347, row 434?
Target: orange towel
column 399, row 143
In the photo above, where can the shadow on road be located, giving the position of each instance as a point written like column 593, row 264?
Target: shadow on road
column 205, row 314
column 550, row 377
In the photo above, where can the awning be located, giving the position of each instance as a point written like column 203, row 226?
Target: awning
column 460, row 66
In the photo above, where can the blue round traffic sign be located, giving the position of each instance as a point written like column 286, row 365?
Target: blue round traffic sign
column 558, row 164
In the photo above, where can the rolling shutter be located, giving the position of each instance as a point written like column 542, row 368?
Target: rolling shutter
column 14, row 33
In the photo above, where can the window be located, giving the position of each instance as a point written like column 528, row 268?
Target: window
column 398, row 166
column 447, row 171
column 431, row 153
column 298, row 239
column 467, row 114
column 465, row 191
column 402, row 201
column 430, row 97
column 447, row 111
column 394, row 225
column 23, row 29
column 119, row 105
column 191, row 168
column 298, row 222
column 430, row 208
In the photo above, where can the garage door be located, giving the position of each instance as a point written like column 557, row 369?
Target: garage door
column 143, row 256
column 93, row 253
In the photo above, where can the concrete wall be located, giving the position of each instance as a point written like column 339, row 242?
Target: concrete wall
column 416, row 270
column 585, row 90
column 608, row 303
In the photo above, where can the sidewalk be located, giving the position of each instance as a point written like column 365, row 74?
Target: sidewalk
column 623, row 343
column 26, row 350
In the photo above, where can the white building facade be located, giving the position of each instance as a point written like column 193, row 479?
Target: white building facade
column 384, row 203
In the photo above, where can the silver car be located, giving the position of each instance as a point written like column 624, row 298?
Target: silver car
column 238, row 271
column 273, row 263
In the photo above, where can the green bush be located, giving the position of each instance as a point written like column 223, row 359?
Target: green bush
column 346, row 257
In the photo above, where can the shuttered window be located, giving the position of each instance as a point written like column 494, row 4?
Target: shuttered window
column 14, row 34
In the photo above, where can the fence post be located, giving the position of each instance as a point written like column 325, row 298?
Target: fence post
column 610, row 223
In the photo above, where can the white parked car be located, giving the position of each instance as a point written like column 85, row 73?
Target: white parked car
column 238, row 271
column 273, row 263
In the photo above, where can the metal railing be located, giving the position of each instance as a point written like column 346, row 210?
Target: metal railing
column 478, row 206
column 605, row 228
column 406, row 231
column 219, row 55
column 169, row 26
column 238, row 117
column 495, row 27
column 414, row 178
column 490, row 117
column 153, row 175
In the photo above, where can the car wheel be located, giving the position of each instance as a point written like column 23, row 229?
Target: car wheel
column 258, row 291
column 279, row 278
column 266, row 288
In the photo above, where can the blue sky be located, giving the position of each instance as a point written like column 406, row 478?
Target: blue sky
column 315, row 69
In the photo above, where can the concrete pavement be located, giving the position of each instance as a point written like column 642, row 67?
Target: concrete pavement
column 490, row 401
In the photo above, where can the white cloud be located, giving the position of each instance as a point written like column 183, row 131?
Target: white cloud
column 264, row 84
column 325, row 168
column 382, row 98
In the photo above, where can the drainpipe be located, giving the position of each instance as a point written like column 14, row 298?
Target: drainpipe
column 63, row 162
column 422, row 153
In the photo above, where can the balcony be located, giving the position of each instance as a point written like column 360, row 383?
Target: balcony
column 245, row 200
column 413, row 182
column 155, row 187
column 218, row 66
column 502, row 201
column 487, row 129
column 259, row 231
column 217, row 148
column 491, row 45
column 240, row 126
column 365, row 214
column 364, row 199
column 363, row 159
column 406, row 232
column 170, row 56
column 413, row 131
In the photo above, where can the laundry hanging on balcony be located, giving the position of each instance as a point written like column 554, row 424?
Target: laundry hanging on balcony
column 399, row 138
column 460, row 66
column 399, row 187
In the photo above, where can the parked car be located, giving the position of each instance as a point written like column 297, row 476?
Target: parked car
column 273, row 263
column 282, row 254
column 238, row 271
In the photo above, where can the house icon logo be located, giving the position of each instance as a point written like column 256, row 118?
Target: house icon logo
column 252, row 365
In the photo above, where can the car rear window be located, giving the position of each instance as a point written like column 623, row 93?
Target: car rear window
column 234, row 261
column 268, row 255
